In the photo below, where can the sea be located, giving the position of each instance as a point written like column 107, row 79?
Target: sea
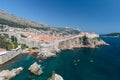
column 101, row 63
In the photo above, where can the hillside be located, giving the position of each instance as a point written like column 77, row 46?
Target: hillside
column 14, row 21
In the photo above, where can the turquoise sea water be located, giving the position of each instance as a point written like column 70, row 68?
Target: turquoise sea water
column 101, row 63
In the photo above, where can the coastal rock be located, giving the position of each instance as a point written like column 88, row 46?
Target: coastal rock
column 8, row 74
column 56, row 77
column 45, row 55
column 35, row 69
column 90, row 43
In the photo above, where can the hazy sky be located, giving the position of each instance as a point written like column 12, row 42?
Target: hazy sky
column 101, row 16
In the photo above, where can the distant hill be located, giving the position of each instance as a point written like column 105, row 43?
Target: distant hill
column 112, row 35
column 14, row 21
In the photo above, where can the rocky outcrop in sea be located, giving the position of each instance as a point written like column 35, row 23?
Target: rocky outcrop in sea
column 9, row 74
column 35, row 69
column 55, row 77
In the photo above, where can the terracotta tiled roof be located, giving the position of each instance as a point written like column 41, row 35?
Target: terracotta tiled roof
column 2, row 49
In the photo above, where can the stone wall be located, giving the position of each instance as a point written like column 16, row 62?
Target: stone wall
column 9, row 55
column 30, row 43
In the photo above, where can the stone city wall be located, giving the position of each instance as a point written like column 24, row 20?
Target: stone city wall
column 9, row 55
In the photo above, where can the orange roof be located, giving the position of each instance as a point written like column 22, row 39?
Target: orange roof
column 44, row 37
column 2, row 49
column 47, row 38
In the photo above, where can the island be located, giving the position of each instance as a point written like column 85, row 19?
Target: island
column 112, row 35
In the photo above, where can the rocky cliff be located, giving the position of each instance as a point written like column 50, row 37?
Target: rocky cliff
column 80, row 42
column 50, row 49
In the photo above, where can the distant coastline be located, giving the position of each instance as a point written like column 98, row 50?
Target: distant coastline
column 112, row 36
column 115, row 35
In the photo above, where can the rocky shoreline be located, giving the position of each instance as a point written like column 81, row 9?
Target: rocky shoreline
column 34, row 68
column 9, row 74
column 52, row 48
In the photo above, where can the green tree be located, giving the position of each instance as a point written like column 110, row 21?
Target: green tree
column 13, row 39
column 85, row 38
column 24, row 46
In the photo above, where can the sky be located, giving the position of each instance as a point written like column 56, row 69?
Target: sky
column 100, row 16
